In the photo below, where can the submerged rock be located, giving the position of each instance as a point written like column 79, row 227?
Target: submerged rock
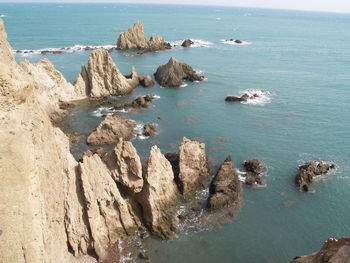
column 194, row 172
column 111, row 129
column 309, row 170
column 103, row 78
column 125, row 165
column 174, row 73
column 255, row 170
column 225, row 190
column 134, row 39
column 332, row 251
column 159, row 195
column 187, row 43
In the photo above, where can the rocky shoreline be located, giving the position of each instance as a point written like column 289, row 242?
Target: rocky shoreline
column 68, row 211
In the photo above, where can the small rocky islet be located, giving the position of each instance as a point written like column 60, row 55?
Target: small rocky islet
column 88, row 207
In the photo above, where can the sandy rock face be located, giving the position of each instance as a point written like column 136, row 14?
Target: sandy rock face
column 103, row 78
column 134, row 38
column 159, row 195
column 194, row 172
column 107, row 212
column 110, row 130
column 174, row 73
column 125, row 165
column 332, row 251
column 6, row 53
column 225, row 190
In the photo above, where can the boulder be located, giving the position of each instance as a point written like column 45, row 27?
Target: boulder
column 125, row 165
column 103, row 78
column 332, row 251
column 242, row 98
column 134, row 39
column 225, row 190
column 187, row 43
column 174, row 73
column 255, row 170
column 158, row 197
column 138, row 103
column 194, row 172
column 309, row 170
column 149, row 130
column 111, row 129
column 146, row 81
column 237, row 41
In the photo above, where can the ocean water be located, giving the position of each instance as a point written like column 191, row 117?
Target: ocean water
column 299, row 61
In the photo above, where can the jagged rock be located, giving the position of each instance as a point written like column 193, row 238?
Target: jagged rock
column 6, row 53
column 332, row 251
column 134, row 38
column 125, row 165
column 159, row 195
column 187, row 43
column 103, row 78
column 138, row 103
column 111, row 129
column 107, row 212
column 194, row 172
column 99, row 151
column 242, row 98
column 149, row 130
column 308, row 171
column 146, row 81
column 225, row 190
column 174, row 73
column 255, row 170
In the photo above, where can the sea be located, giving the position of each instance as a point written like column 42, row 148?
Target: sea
column 299, row 63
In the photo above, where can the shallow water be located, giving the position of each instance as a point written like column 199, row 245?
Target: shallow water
column 299, row 59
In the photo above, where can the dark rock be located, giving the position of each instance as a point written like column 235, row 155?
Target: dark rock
column 174, row 73
column 149, row 130
column 146, row 81
column 237, row 41
column 51, row 52
column 242, row 98
column 173, row 158
column 187, row 43
column 144, row 255
column 138, row 103
column 255, row 170
column 225, row 189
column 309, row 170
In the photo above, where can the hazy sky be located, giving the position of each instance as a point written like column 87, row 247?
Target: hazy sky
column 315, row 5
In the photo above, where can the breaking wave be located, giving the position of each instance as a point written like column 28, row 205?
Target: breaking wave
column 233, row 42
column 197, row 43
column 75, row 48
column 257, row 97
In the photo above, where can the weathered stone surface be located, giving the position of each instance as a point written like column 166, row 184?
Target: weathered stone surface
column 194, row 172
column 6, row 53
column 107, row 212
column 149, row 130
column 225, row 190
column 308, row 171
column 134, row 38
column 103, row 78
column 146, row 81
column 138, row 103
column 255, row 171
column 159, row 195
column 333, row 251
column 125, row 165
column 111, row 129
column 174, row 73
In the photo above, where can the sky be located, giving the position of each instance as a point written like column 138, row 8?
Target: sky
column 342, row 6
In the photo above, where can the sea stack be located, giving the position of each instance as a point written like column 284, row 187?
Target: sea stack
column 174, row 73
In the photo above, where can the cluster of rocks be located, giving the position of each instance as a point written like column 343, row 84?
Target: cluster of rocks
column 255, row 171
column 237, row 41
column 138, row 103
column 243, row 98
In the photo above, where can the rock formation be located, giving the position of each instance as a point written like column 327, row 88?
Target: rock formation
column 159, row 195
column 187, row 43
column 134, row 39
column 174, row 73
column 332, row 251
column 225, row 190
column 149, row 130
column 255, row 171
column 103, row 78
column 146, row 81
column 125, row 165
column 194, row 172
column 138, row 103
column 111, row 129
column 308, row 171
column 245, row 97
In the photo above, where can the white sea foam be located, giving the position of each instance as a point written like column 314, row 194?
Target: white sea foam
column 156, row 97
column 3, row 15
column 259, row 97
column 197, row 43
column 101, row 111
column 75, row 48
column 184, row 85
column 232, row 42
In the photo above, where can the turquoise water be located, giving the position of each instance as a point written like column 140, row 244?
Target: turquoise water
column 300, row 58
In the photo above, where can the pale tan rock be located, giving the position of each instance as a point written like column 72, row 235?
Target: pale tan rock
column 332, row 251
column 6, row 53
column 134, row 38
column 159, row 195
column 107, row 212
column 194, row 172
column 125, row 165
column 103, row 78
column 111, row 129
